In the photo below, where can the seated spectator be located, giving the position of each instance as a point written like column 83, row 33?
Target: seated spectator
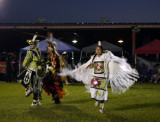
column 156, row 73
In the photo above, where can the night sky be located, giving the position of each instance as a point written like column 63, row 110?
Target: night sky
column 87, row 11
column 75, row 11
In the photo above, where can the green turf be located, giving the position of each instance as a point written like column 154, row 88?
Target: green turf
column 141, row 103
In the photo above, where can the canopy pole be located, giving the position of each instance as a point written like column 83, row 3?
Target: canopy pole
column 80, row 57
column 86, row 54
column 72, row 58
column 122, row 53
column 157, row 57
column 135, row 59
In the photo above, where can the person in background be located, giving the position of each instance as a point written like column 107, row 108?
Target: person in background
column 9, row 69
column 14, row 68
column 156, row 73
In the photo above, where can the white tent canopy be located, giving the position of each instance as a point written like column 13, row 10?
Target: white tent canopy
column 106, row 46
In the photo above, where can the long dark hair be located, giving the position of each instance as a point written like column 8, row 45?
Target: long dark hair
column 95, row 53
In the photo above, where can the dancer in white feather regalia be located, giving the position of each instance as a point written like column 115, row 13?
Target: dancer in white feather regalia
column 101, row 69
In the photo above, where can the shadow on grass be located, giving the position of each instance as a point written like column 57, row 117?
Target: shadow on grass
column 137, row 106
column 117, row 118
column 76, row 84
column 80, row 101
column 139, row 87
column 60, row 113
column 51, row 113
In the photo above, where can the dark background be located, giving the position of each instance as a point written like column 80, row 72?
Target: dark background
column 13, row 40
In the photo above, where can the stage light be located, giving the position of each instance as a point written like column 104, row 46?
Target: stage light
column 74, row 41
column 120, row 41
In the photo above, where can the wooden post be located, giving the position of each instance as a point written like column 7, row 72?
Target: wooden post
column 133, row 42
column 135, row 29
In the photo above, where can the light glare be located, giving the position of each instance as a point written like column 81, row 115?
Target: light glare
column 120, row 41
column 74, row 41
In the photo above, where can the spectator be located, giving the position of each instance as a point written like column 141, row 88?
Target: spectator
column 9, row 70
column 14, row 69
column 156, row 73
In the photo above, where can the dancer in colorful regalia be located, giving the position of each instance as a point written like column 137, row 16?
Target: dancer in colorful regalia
column 101, row 69
column 34, row 72
column 52, row 83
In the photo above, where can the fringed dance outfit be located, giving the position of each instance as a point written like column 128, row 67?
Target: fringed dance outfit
column 107, row 68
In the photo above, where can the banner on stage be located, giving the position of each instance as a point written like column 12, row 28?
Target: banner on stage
column 3, row 67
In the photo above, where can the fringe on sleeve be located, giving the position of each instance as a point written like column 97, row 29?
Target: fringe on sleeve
column 82, row 73
column 121, row 75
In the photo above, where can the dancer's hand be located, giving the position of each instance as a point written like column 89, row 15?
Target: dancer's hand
column 91, row 65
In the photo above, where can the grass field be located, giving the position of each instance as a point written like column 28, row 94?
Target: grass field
column 141, row 103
